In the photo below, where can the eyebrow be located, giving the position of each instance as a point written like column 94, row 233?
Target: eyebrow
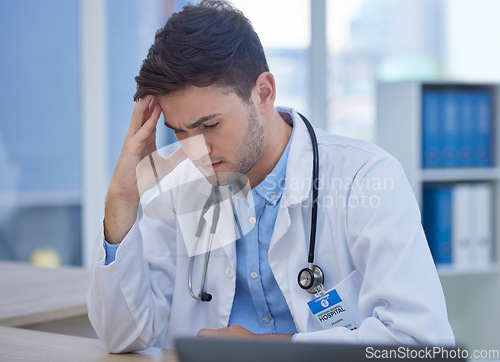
column 196, row 123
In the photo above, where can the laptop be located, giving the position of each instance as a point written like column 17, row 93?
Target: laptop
column 231, row 350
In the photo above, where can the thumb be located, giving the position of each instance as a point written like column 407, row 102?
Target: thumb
column 206, row 333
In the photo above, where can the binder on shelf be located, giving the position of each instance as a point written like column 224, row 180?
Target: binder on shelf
column 483, row 112
column 450, row 129
column 431, row 148
column 466, row 130
column 462, row 226
column 458, row 123
column 482, row 220
column 457, row 127
column 458, row 223
column 437, row 223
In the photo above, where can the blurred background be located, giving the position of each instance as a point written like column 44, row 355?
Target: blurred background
column 67, row 71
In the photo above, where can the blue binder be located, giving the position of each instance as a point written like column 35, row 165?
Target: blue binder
column 437, row 214
column 466, row 130
column 450, row 127
column 483, row 130
column 431, row 149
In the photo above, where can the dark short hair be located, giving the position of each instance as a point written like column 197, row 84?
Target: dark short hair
column 204, row 44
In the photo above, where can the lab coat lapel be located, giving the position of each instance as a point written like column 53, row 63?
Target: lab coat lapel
column 291, row 231
column 298, row 178
column 287, row 258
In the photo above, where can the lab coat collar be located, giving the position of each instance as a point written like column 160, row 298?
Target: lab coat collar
column 300, row 160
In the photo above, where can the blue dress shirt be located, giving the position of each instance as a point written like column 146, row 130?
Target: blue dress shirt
column 259, row 305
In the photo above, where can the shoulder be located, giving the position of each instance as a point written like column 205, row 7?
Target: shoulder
column 353, row 146
column 350, row 154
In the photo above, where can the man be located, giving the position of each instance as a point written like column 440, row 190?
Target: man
column 207, row 73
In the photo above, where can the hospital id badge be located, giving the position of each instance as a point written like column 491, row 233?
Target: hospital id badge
column 331, row 311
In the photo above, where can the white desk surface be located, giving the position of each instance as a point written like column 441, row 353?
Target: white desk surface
column 18, row 344
column 30, row 294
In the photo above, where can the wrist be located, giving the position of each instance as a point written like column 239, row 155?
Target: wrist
column 118, row 194
column 120, row 215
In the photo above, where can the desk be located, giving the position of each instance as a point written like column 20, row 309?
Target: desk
column 46, row 299
column 25, row 345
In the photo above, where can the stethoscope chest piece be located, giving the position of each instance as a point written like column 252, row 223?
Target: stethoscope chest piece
column 310, row 278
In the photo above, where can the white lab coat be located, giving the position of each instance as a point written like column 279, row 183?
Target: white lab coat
column 370, row 245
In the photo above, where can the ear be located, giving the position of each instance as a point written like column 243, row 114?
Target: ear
column 265, row 93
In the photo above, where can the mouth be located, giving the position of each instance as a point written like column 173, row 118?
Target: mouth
column 212, row 167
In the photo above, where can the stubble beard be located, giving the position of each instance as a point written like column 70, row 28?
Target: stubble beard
column 246, row 155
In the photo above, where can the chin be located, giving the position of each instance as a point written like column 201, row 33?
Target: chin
column 226, row 178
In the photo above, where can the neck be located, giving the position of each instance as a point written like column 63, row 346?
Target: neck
column 277, row 133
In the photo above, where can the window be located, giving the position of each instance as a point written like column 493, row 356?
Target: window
column 39, row 132
column 285, row 34
column 372, row 40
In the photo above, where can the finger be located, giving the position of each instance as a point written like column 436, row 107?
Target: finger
column 148, row 127
column 207, row 333
column 150, row 144
column 151, row 108
column 141, row 112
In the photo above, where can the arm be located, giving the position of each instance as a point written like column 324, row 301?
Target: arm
column 240, row 332
column 128, row 300
column 139, row 168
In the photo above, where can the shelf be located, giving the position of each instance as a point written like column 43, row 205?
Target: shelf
column 460, row 174
column 492, row 269
column 400, row 127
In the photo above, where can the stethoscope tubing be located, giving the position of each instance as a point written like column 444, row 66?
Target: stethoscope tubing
column 315, row 184
column 212, row 199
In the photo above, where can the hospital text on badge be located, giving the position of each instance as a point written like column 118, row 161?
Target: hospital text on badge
column 331, row 311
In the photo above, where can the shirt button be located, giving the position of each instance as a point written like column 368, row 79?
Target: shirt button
column 273, row 196
column 266, row 319
column 252, row 220
column 229, row 272
column 254, row 274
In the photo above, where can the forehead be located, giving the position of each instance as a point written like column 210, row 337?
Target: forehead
column 191, row 103
column 193, row 96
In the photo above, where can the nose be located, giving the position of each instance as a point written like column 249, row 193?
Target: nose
column 196, row 147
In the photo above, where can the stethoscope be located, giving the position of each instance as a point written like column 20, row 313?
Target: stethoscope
column 213, row 199
column 310, row 279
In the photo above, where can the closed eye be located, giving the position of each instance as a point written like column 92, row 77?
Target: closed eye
column 211, row 125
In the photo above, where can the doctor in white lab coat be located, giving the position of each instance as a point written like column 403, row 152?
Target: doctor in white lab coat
column 370, row 244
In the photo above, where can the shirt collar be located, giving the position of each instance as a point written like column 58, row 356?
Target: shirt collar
column 272, row 187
